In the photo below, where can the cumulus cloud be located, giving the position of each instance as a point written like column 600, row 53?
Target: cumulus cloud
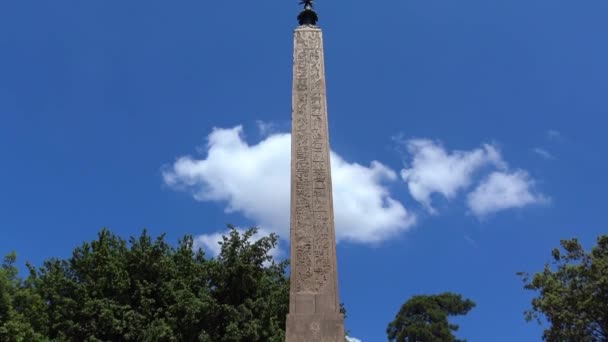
column 210, row 243
column 254, row 180
column 352, row 339
column 266, row 128
column 503, row 190
column 434, row 170
column 364, row 208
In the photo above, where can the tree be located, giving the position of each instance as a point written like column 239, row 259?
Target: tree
column 572, row 293
column 251, row 291
column 17, row 305
column 147, row 290
column 425, row 318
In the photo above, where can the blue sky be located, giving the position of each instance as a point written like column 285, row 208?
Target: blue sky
column 486, row 121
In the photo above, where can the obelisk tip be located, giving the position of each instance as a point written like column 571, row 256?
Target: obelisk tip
column 308, row 16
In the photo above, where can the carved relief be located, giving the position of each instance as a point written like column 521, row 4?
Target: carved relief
column 313, row 224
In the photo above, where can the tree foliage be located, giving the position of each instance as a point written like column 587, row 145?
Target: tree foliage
column 572, row 293
column 425, row 318
column 19, row 305
column 146, row 290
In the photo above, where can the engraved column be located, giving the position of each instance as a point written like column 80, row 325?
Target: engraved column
column 314, row 310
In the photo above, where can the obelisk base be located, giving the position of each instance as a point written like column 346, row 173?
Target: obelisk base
column 315, row 328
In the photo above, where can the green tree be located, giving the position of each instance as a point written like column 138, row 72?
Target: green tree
column 144, row 289
column 425, row 318
column 250, row 290
column 17, row 305
column 572, row 293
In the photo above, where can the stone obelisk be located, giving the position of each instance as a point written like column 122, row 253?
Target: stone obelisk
column 314, row 309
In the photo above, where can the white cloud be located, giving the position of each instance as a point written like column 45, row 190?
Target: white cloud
column 364, row 209
column 254, row 180
column 433, row 170
column 265, row 128
column 502, row 190
column 543, row 153
column 352, row 339
column 209, row 243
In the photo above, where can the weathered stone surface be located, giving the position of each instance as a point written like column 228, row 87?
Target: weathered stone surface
column 313, row 302
column 315, row 328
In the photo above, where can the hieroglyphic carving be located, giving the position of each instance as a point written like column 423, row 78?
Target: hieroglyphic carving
column 313, row 221
column 314, row 310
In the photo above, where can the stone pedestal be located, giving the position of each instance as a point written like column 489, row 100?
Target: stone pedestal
column 315, row 328
column 314, row 310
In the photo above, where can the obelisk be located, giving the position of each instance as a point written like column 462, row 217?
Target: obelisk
column 314, row 309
